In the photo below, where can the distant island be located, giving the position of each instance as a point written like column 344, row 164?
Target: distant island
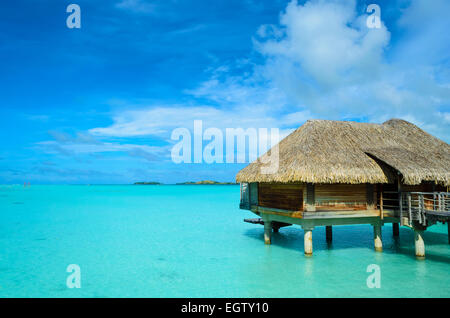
column 208, row 182
column 147, row 183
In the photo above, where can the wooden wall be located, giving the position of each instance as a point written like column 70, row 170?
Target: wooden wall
column 332, row 197
column 281, row 196
column 326, row 197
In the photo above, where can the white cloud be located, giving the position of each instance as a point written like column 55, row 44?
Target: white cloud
column 75, row 149
column 320, row 61
column 326, row 41
column 160, row 121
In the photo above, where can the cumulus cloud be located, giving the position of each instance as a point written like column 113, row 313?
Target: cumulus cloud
column 327, row 42
column 320, row 61
column 325, row 59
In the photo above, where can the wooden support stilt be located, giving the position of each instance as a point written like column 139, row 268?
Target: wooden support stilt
column 377, row 238
column 419, row 244
column 267, row 232
column 329, row 233
column 308, row 242
column 395, row 229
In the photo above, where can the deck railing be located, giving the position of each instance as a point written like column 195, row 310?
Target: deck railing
column 424, row 207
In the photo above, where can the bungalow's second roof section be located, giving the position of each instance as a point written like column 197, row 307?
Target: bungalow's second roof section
column 325, row 151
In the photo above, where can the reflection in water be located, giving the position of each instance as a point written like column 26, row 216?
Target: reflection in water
column 309, row 266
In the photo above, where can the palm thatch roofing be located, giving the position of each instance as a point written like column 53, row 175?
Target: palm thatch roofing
column 325, row 151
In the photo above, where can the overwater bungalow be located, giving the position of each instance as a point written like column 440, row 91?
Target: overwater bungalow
column 342, row 173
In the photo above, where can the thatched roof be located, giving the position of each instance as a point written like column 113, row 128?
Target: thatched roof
column 325, row 151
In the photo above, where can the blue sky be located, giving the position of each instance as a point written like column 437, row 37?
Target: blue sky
column 98, row 104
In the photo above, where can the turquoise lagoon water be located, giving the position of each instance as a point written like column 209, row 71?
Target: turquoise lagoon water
column 191, row 241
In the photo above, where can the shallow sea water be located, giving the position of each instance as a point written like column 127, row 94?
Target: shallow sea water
column 191, row 241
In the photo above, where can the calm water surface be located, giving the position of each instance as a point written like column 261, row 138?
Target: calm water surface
column 190, row 241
